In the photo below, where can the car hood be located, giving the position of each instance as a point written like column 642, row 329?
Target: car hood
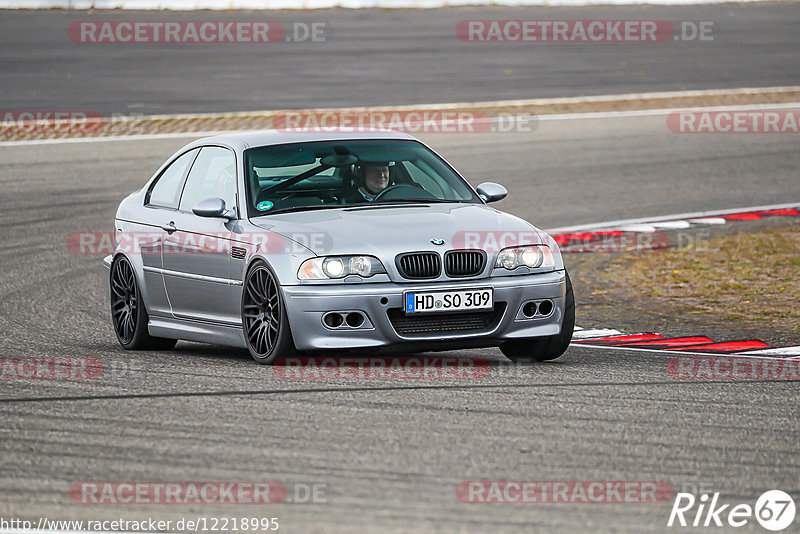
column 384, row 231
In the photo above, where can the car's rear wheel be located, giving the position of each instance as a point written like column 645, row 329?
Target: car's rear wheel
column 545, row 348
column 128, row 313
column 264, row 317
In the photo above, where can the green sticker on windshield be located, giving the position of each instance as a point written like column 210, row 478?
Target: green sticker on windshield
column 264, row 205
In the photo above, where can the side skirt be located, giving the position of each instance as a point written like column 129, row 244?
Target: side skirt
column 197, row 331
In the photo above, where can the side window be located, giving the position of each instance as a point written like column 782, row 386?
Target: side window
column 166, row 190
column 213, row 175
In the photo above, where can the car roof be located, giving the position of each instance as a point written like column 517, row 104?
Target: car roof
column 245, row 140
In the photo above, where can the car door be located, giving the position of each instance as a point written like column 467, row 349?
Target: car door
column 196, row 255
column 161, row 202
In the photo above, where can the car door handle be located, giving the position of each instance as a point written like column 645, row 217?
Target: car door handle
column 169, row 227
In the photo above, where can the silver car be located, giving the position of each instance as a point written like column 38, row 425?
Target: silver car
column 282, row 242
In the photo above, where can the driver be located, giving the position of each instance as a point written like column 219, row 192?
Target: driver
column 371, row 179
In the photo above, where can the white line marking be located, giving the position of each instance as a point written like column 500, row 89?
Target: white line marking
column 787, row 351
column 141, row 137
column 642, row 228
column 597, row 333
column 660, row 111
column 709, row 220
column 672, row 225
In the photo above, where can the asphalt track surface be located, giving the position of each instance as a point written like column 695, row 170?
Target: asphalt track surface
column 390, row 453
column 383, row 57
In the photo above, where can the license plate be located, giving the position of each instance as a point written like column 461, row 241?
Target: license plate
column 442, row 301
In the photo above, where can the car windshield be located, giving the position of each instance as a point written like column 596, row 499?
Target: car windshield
column 338, row 173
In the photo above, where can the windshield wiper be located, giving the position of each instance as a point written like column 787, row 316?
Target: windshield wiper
column 417, row 201
column 361, row 205
column 305, row 208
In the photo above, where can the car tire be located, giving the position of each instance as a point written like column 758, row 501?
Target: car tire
column 128, row 312
column 265, row 322
column 543, row 349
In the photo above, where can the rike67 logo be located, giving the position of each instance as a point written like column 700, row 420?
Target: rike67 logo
column 774, row 510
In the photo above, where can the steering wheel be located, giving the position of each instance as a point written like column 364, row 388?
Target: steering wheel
column 403, row 192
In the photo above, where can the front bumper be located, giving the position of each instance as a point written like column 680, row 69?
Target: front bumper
column 306, row 305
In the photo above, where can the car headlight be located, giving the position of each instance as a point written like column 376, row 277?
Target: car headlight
column 332, row 267
column 532, row 256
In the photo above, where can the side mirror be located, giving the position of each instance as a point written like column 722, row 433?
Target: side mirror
column 212, row 207
column 491, row 192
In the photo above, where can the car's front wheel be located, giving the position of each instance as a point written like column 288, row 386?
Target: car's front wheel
column 128, row 313
column 264, row 317
column 545, row 348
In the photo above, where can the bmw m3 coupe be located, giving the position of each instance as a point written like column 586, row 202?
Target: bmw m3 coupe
column 281, row 242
